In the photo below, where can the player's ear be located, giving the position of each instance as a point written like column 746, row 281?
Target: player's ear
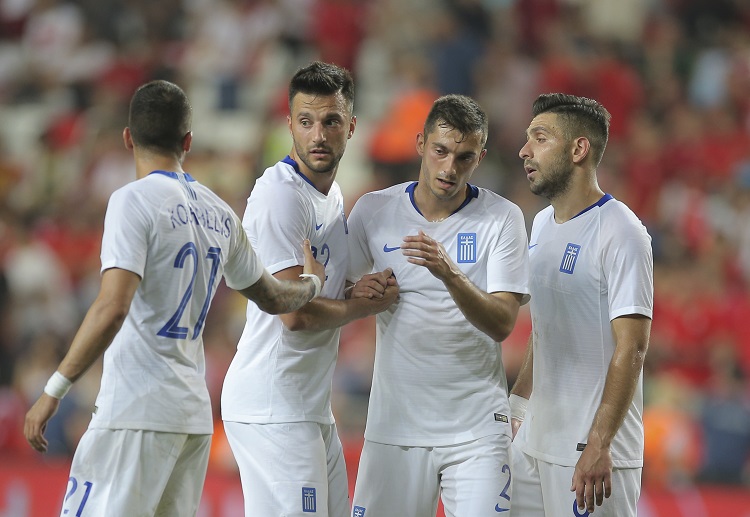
column 420, row 144
column 581, row 148
column 127, row 138
column 352, row 125
column 187, row 141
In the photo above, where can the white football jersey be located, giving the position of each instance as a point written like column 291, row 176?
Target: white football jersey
column 278, row 375
column 585, row 272
column 180, row 238
column 438, row 380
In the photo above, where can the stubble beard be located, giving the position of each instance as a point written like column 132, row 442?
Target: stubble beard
column 555, row 183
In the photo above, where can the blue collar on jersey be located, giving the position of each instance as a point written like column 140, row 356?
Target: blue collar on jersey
column 289, row 161
column 172, row 175
column 473, row 193
column 604, row 199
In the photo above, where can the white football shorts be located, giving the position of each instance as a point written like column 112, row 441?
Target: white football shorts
column 472, row 478
column 133, row 473
column 542, row 489
column 294, row 469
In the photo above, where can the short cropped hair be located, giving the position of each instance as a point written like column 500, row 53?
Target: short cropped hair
column 320, row 78
column 160, row 117
column 459, row 112
column 580, row 117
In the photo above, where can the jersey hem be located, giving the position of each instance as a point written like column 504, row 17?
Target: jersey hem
column 433, row 442
column 571, row 462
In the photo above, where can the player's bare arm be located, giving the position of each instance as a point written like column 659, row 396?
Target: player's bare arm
column 522, row 387
column 103, row 320
column 592, row 479
column 326, row 313
column 276, row 296
column 493, row 313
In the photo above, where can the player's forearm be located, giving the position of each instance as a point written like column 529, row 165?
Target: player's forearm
column 327, row 313
column 524, row 383
column 276, row 296
column 99, row 327
column 622, row 379
column 490, row 314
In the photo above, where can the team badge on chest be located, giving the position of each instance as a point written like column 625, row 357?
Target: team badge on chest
column 570, row 257
column 467, row 248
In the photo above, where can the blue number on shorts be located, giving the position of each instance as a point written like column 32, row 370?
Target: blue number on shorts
column 73, row 487
column 504, row 493
column 172, row 328
column 575, row 510
column 325, row 251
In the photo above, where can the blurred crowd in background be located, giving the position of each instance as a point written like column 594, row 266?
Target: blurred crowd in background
column 675, row 74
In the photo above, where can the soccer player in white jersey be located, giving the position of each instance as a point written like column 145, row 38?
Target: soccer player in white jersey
column 167, row 242
column 276, row 400
column 579, row 391
column 438, row 422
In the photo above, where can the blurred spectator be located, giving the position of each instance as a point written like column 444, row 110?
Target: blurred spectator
column 725, row 421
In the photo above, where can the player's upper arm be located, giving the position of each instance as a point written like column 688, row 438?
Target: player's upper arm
column 632, row 331
column 116, row 292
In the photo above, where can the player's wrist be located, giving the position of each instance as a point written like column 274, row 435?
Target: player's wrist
column 316, row 282
column 58, row 386
column 518, row 407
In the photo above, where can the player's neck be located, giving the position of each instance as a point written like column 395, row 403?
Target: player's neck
column 576, row 200
column 435, row 209
column 146, row 163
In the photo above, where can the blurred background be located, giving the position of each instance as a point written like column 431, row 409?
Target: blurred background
column 675, row 74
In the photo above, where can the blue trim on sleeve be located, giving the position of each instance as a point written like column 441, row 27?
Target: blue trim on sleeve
column 604, row 199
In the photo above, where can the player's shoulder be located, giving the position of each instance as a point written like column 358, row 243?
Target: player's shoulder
column 616, row 212
column 280, row 180
column 500, row 207
column 384, row 196
column 619, row 222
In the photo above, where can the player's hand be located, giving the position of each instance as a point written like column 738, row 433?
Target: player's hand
column 423, row 250
column 36, row 421
column 515, row 424
column 592, row 478
column 373, row 285
column 312, row 266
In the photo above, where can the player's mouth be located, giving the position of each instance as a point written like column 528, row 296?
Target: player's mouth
column 320, row 153
column 529, row 170
column 445, row 184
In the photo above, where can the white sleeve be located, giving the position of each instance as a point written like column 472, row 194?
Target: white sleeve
column 628, row 267
column 360, row 258
column 243, row 267
column 127, row 227
column 277, row 219
column 508, row 264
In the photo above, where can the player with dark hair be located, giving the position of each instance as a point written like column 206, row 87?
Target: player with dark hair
column 167, row 242
column 580, row 390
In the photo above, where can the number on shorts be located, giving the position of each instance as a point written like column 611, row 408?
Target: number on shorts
column 73, row 486
column 172, row 329
column 504, row 493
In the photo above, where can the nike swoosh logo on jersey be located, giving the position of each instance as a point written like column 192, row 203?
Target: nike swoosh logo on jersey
column 318, row 226
column 388, row 250
column 498, row 509
column 532, row 245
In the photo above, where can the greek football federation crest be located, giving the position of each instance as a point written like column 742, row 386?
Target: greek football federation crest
column 309, row 502
column 467, row 248
column 358, row 511
column 570, row 257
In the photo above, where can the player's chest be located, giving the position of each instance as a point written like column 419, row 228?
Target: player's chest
column 565, row 261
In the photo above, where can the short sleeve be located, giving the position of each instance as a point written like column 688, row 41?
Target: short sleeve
column 508, row 264
column 277, row 219
column 360, row 258
column 243, row 267
column 127, row 227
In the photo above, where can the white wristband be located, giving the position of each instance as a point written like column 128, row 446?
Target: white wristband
column 518, row 407
column 57, row 386
column 316, row 281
